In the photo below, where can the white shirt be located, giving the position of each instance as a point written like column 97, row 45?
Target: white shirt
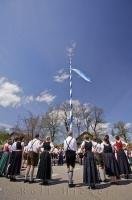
column 13, row 147
column 94, row 144
column 34, row 145
column 70, row 144
column 99, row 148
column 79, row 150
column 55, row 151
column 25, row 149
column 102, row 146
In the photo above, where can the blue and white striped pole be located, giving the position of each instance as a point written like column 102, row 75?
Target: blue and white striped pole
column 71, row 106
column 70, row 52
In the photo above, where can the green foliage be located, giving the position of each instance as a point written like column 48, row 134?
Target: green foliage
column 3, row 137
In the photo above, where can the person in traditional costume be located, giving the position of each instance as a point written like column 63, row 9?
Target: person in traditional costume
column 44, row 168
column 25, row 154
column 55, row 154
column 80, row 155
column 60, row 156
column 110, row 162
column 122, row 159
column 5, row 158
column 99, row 161
column 90, row 174
column 70, row 148
column 15, row 159
column 32, row 158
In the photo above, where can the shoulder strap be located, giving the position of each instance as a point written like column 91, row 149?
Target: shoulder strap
column 32, row 144
column 68, row 144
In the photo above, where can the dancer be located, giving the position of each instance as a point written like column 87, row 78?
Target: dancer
column 100, row 161
column 123, row 163
column 55, row 155
column 90, row 174
column 111, row 165
column 25, row 154
column 15, row 159
column 80, row 155
column 32, row 158
column 60, row 156
column 5, row 157
column 44, row 168
column 70, row 148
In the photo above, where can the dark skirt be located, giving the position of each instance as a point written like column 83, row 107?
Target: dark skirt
column 90, row 174
column 15, row 163
column 70, row 158
column 111, row 165
column 124, row 166
column 4, row 162
column 44, row 168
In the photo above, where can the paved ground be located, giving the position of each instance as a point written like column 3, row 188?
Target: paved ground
column 58, row 189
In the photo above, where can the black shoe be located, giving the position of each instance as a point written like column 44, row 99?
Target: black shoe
column 12, row 179
column 44, row 183
column 25, row 181
column 93, row 187
column 126, row 177
column 106, row 181
column 71, row 185
column 30, row 182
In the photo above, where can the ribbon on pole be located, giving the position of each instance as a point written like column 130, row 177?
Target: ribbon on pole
column 81, row 74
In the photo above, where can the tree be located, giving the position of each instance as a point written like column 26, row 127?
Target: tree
column 32, row 124
column 49, row 122
column 3, row 137
column 65, row 108
column 86, row 116
column 121, row 130
column 97, row 119
column 77, row 115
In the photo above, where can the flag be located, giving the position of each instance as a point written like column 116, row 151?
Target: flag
column 81, row 74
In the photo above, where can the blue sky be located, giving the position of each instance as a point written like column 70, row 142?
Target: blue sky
column 33, row 40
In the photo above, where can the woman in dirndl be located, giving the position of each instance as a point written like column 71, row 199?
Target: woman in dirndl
column 110, row 162
column 122, row 159
column 15, row 160
column 5, row 158
column 44, row 168
column 90, row 174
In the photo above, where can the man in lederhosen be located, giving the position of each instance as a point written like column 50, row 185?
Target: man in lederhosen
column 32, row 158
column 70, row 147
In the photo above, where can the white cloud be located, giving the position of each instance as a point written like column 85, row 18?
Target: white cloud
column 71, row 49
column 4, row 125
column 45, row 97
column 61, row 76
column 9, row 93
column 28, row 99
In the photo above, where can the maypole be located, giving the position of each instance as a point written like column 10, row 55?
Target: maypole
column 71, row 106
column 70, row 52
